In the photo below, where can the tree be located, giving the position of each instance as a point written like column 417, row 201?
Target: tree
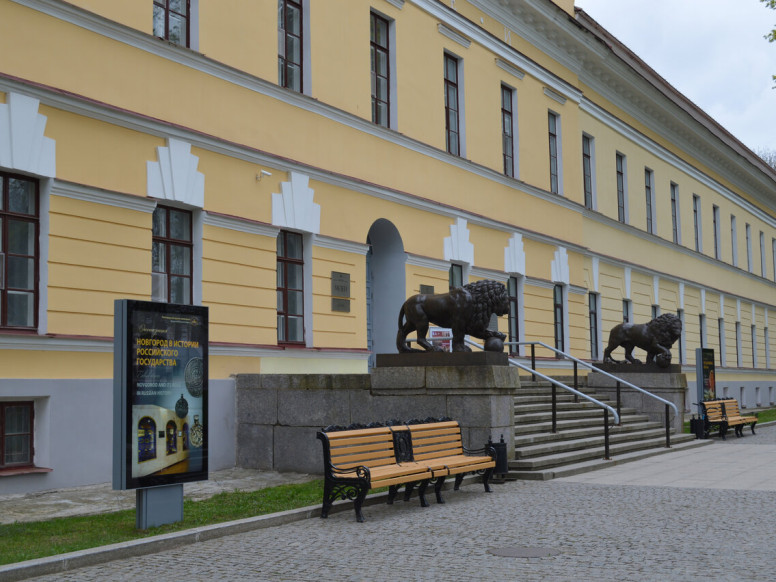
column 771, row 36
column 768, row 156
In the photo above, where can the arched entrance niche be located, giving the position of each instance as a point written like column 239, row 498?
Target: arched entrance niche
column 385, row 286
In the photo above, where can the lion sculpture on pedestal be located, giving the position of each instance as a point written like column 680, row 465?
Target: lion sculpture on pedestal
column 655, row 338
column 465, row 310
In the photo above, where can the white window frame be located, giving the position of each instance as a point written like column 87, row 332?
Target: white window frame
column 593, row 189
column 649, row 186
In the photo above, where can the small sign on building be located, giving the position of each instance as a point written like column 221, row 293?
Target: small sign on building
column 340, row 292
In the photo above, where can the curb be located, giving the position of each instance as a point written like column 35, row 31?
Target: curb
column 134, row 548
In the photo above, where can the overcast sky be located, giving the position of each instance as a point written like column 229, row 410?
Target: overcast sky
column 713, row 51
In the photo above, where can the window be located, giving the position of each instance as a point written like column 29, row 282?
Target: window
column 452, row 107
column 702, row 328
column 717, row 237
column 553, row 129
column 682, row 337
column 507, row 130
column 734, row 240
column 767, row 345
column 649, row 190
column 172, row 256
column 754, row 346
column 16, row 432
column 514, row 314
column 762, row 254
column 627, row 310
column 290, row 44
column 146, row 439
column 773, row 253
column 696, row 218
column 675, row 222
column 290, row 292
column 739, row 354
column 721, row 339
column 587, row 170
column 748, row 248
column 379, row 47
column 171, row 20
column 456, row 275
column 558, row 308
column 655, row 311
column 19, row 253
column 621, row 207
column 592, row 305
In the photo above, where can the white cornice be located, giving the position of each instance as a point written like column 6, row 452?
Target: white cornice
column 453, row 35
column 240, row 224
column 428, row 262
column 98, row 196
column 337, row 244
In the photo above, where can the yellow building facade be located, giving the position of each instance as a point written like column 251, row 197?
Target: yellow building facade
column 301, row 167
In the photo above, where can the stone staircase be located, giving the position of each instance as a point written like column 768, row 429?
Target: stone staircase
column 578, row 444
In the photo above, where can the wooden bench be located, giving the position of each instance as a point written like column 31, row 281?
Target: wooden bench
column 724, row 413
column 438, row 446
column 358, row 460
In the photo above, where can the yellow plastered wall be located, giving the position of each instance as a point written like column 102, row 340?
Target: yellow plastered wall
column 417, row 276
column 97, row 254
column 334, row 329
column 239, row 285
column 56, row 364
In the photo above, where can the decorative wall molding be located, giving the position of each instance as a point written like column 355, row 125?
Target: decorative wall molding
column 457, row 246
column 98, row 196
column 481, row 273
column 514, row 255
column 555, row 96
column 453, row 35
column 175, row 177
column 338, row 244
column 428, row 262
column 560, row 267
column 239, row 224
column 23, row 146
column 512, row 70
column 295, row 208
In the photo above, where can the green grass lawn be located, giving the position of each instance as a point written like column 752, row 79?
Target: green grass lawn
column 26, row 541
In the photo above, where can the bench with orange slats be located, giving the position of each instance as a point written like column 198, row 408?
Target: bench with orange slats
column 438, row 446
column 724, row 413
column 357, row 460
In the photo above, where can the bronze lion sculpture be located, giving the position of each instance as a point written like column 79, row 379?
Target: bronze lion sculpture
column 465, row 310
column 655, row 338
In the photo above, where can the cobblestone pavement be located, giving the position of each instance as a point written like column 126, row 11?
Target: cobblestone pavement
column 598, row 532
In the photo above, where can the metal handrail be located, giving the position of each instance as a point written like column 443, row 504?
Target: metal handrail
column 599, row 370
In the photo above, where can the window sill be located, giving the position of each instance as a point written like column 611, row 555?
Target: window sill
column 10, row 472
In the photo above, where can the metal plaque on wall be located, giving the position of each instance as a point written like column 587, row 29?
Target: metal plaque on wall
column 340, row 292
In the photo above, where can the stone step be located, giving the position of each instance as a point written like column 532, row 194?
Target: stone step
column 595, row 464
column 570, row 414
column 556, row 447
column 545, row 423
column 551, row 461
column 544, row 436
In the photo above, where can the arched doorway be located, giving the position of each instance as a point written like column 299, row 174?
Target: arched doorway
column 385, row 286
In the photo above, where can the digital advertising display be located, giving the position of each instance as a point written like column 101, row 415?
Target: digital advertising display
column 160, row 394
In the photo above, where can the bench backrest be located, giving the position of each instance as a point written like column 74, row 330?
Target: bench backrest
column 436, row 439
column 719, row 409
column 370, row 447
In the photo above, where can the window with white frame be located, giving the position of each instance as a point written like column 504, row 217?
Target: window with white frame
column 739, row 350
column 733, row 240
column 762, row 254
column 649, row 190
column 172, row 21
column 682, row 337
column 172, row 251
column 455, row 275
column 290, row 288
column 559, row 298
column 696, row 217
column 380, row 56
column 754, row 346
column 702, row 328
column 593, row 300
column 513, row 292
column 508, row 129
column 452, row 105
column 622, row 185
column 553, row 127
column 291, row 44
column 627, row 310
column 748, row 234
column 717, row 237
column 675, row 221
column 588, row 171
column 19, row 251
column 16, row 434
column 721, row 340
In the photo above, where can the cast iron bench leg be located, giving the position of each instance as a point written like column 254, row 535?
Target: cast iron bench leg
column 422, row 493
column 392, row 491
column 485, row 478
column 458, row 480
column 408, row 490
column 328, row 499
column 358, row 502
column 438, row 489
